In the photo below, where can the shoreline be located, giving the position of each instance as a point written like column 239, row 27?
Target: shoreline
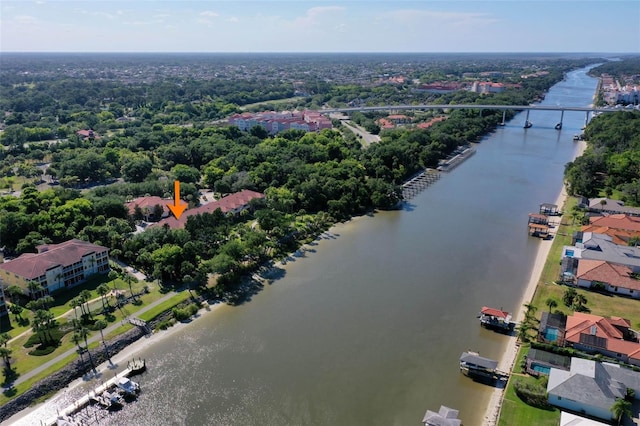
column 508, row 358
column 119, row 360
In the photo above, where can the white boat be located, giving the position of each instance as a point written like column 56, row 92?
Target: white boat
column 128, row 386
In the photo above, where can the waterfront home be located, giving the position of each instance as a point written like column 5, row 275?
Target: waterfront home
column 444, row 417
column 56, row 266
column 591, row 387
column 621, row 222
column 604, row 206
column 611, row 337
column 606, row 276
column 599, row 247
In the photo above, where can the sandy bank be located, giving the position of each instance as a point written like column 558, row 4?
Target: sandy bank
column 509, row 356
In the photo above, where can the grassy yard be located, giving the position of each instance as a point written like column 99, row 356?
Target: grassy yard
column 23, row 362
column 516, row 412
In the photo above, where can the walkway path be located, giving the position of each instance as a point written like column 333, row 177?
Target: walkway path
column 139, row 275
column 93, row 338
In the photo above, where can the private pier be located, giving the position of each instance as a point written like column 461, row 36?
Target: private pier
column 72, row 414
column 418, row 183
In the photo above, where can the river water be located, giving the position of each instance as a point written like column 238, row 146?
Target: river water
column 367, row 326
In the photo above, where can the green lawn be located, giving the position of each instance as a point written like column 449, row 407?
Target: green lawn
column 516, row 412
column 23, row 362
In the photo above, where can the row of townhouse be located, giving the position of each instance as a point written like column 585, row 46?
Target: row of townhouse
column 274, row 122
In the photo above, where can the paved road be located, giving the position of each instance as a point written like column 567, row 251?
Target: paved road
column 367, row 138
column 92, row 339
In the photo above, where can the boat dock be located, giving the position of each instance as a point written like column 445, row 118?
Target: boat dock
column 419, row 183
column 102, row 395
column 459, row 155
column 477, row 367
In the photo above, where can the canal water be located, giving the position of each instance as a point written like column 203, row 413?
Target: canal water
column 367, row 326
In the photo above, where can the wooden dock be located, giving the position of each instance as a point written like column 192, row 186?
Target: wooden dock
column 419, row 183
column 66, row 415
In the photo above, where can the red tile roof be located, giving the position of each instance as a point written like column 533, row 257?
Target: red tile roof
column 618, row 221
column 581, row 323
column 609, row 273
column 618, row 236
column 494, row 312
column 150, row 202
column 226, row 204
column 32, row 265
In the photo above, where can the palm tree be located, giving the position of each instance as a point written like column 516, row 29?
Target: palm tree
column 101, row 325
column 523, row 332
column 579, row 302
column 621, row 408
column 551, row 303
column 102, row 290
column 529, row 314
column 5, row 353
column 75, row 303
column 85, row 296
column 35, row 289
column 77, row 338
column 83, row 332
column 130, row 288
column 45, row 321
column 17, row 311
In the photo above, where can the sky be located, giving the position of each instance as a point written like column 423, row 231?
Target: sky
column 610, row 26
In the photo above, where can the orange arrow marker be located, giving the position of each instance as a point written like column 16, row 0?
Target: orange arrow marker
column 177, row 208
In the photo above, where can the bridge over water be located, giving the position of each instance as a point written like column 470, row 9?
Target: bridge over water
column 587, row 110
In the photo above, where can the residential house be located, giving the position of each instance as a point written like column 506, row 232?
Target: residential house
column 618, row 236
column 590, row 387
column 611, row 337
column 56, row 266
column 611, row 277
column 231, row 204
column 625, row 224
column 87, row 134
column 150, row 207
column 598, row 247
column 607, row 205
column 444, row 417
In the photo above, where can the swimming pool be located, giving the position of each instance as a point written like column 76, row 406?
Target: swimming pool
column 541, row 369
column 551, row 334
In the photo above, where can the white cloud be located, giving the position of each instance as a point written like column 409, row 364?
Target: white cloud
column 209, row 14
column 317, row 15
column 25, row 20
column 233, row 19
column 428, row 17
